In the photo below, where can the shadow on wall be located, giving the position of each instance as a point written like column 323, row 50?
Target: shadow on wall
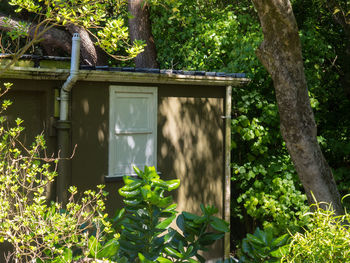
column 190, row 145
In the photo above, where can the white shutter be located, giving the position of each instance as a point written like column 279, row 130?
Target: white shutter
column 133, row 129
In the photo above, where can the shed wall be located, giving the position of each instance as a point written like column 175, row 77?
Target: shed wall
column 190, row 137
column 190, row 143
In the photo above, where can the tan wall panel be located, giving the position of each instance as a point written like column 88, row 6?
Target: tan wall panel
column 190, row 148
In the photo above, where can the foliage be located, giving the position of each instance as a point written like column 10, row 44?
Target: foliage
column 263, row 175
column 262, row 246
column 35, row 229
column 324, row 47
column 203, row 35
column 327, row 239
column 222, row 36
column 101, row 18
column 146, row 233
column 145, row 206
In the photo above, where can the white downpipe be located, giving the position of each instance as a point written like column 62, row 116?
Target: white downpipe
column 73, row 77
column 227, row 187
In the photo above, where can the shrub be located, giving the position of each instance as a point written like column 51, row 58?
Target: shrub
column 146, row 233
column 262, row 246
column 267, row 191
column 141, row 231
column 35, row 229
column 327, row 239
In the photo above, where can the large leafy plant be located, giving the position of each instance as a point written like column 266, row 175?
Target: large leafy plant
column 146, row 233
column 263, row 246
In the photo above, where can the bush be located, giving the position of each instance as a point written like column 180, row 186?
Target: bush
column 141, row 231
column 146, row 234
column 36, row 229
column 327, row 239
column 267, row 191
column 262, row 246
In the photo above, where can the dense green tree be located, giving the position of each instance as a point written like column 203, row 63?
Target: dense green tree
column 280, row 53
column 223, row 36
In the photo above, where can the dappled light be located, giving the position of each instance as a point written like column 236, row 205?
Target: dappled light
column 192, row 149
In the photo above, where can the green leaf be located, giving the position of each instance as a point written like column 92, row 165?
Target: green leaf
column 166, row 222
column 94, row 246
column 246, row 247
column 280, row 252
column 132, row 186
column 109, row 249
column 336, row 10
column 132, row 202
column 129, row 194
column 67, row 255
column 219, row 224
column 143, row 258
column 173, row 184
column 280, row 241
column 255, row 240
column 190, row 216
column 172, row 252
column 163, row 260
column 170, row 208
column 210, row 238
column 164, row 202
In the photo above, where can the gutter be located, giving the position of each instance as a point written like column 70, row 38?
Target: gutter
column 64, row 125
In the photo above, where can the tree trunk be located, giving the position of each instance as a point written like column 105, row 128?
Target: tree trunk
column 90, row 53
column 140, row 29
column 52, row 41
column 280, row 53
column 57, row 41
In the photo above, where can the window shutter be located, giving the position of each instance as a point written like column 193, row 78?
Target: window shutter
column 133, row 129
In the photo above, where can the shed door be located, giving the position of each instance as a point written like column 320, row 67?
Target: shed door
column 133, row 128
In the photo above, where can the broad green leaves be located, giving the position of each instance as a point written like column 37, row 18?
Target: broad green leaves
column 146, row 232
column 262, row 246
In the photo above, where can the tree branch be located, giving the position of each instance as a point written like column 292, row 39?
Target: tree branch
column 52, row 40
column 56, row 41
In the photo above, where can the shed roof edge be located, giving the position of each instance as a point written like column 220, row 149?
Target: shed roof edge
column 121, row 76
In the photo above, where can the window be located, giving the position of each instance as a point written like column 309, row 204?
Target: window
column 132, row 129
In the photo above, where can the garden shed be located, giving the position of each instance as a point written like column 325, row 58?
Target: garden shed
column 177, row 121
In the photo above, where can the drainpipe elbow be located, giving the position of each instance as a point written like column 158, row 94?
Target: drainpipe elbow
column 71, row 80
